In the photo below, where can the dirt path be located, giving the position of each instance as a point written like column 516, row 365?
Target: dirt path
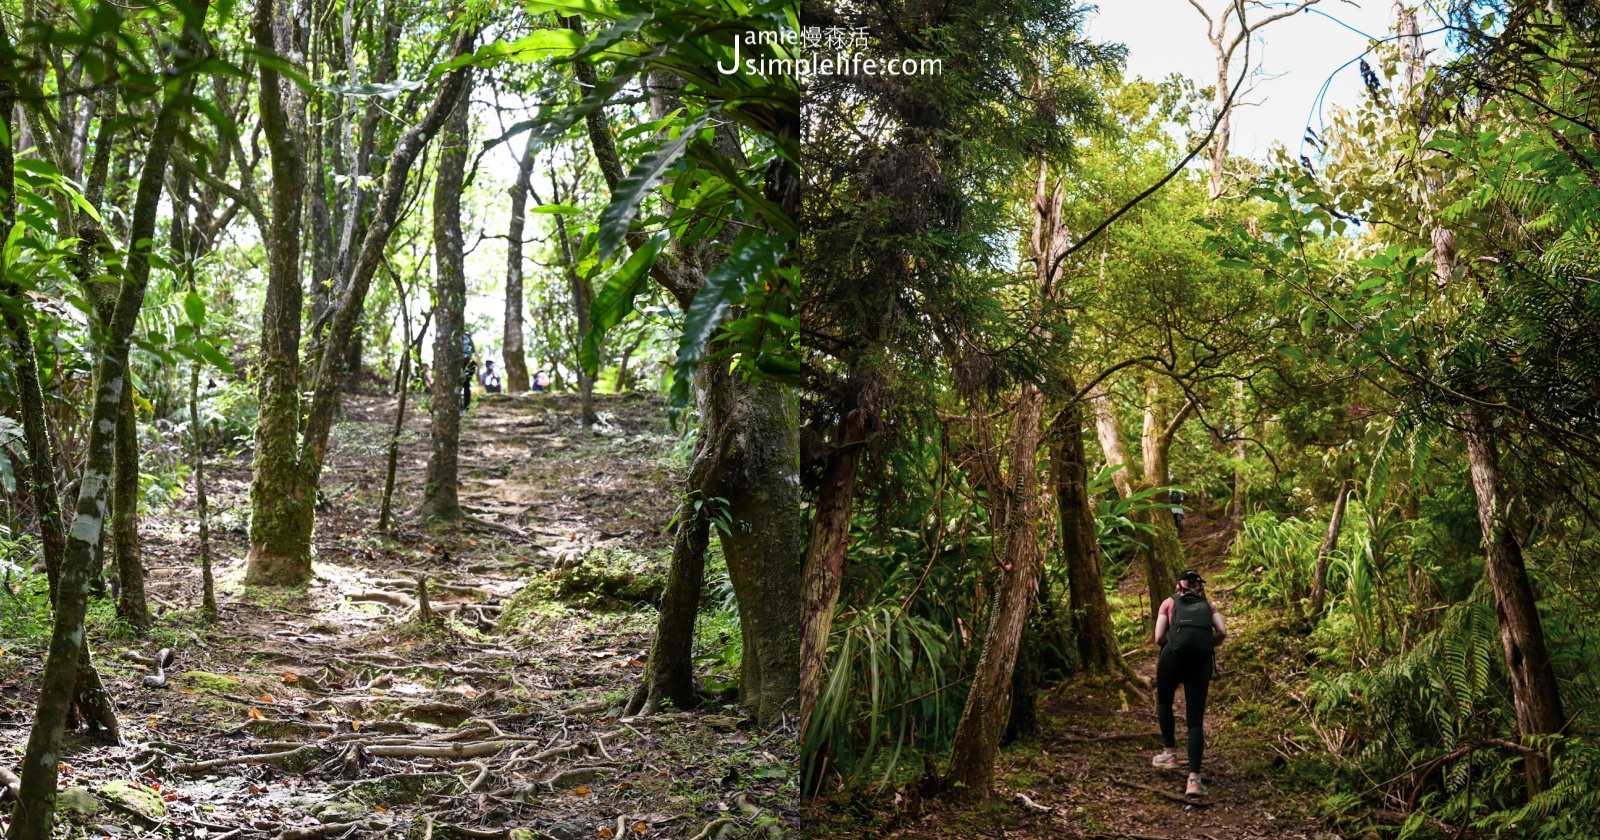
column 334, row 712
column 1088, row 770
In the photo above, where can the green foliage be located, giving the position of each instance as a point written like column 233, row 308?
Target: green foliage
column 25, row 619
column 1274, row 558
column 718, row 645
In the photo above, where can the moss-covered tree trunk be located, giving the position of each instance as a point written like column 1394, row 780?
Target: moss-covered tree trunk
column 131, row 604
column 281, row 508
column 764, row 544
column 1080, row 546
column 669, row 672
column 440, row 500
column 30, row 395
column 284, row 493
column 32, row 817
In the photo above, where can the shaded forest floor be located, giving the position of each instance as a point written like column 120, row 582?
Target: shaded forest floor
column 334, row 712
column 1087, row 773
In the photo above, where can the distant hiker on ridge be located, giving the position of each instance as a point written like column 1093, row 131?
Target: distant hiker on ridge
column 1188, row 630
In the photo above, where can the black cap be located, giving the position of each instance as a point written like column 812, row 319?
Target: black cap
column 1193, row 576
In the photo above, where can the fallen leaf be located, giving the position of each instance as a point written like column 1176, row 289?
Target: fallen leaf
column 256, row 714
column 267, row 698
column 605, row 832
column 636, row 662
column 290, row 677
column 355, row 726
column 582, row 791
column 640, row 828
column 380, row 809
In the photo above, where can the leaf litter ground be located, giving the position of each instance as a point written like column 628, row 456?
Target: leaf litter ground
column 332, row 712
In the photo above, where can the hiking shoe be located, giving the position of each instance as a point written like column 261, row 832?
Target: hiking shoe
column 1196, row 788
column 1167, row 760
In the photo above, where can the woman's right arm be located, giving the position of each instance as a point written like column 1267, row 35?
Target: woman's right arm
column 1162, row 621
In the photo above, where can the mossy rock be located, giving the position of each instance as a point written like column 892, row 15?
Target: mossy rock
column 338, row 811
column 134, row 797
column 397, row 790
column 610, row 578
column 281, row 730
column 222, row 684
column 78, row 802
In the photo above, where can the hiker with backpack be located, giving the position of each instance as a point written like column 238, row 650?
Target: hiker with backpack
column 469, row 369
column 1188, row 630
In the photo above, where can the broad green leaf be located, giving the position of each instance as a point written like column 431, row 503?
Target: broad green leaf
column 726, row 285
column 612, row 35
column 557, row 209
column 587, row 8
column 211, row 354
column 539, row 45
column 195, row 308
column 615, row 299
column 631, row 191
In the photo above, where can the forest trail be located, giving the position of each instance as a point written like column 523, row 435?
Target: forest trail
column 1089, row 765
column 334, row 712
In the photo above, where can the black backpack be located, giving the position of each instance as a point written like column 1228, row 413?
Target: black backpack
column 1192, row 629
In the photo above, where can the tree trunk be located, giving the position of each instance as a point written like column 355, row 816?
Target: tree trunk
column 582, row 297
column 1533, row 682
column 131, row 604
column 1166, row 550
column 439, row 497
column 288, row 515
column 757, row 457
column 1159, row 579
column 281, row 509
column 669, row 673
column 752, row 431
column 1319, row 581
column 208, row 590
column 30, row 395
column 511, row 338
column 1015, row 509
column 32, row 817
column 1236, row 504
column 1080, row 546
column 624, row 376
column 1219, row 146
column 403, row 389
column 825, row 559
column 352, row 362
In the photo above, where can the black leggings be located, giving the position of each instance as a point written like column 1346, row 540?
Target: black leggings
column 1193, row 671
